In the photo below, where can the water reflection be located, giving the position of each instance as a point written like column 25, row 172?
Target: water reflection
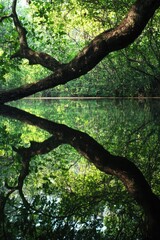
column 58, row 192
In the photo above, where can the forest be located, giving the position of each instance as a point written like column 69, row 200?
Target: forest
column 76, row 168
column 61, row 29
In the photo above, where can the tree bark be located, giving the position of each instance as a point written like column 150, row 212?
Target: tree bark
column 111, row 40
column 117, row 166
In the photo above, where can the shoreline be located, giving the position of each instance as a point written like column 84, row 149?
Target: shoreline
column 87, row 98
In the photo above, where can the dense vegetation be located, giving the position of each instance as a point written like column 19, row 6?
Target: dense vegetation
column 62, row 28
column 79, row 48
column 69, row 198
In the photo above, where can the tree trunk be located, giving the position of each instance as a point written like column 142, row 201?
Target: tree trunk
column 111, row 40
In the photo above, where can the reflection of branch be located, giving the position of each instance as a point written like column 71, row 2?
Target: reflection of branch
column 23, row 173
column 136, row 131
column 3, row 200
column 117, row 166
column 25, row 52
column 36, row 148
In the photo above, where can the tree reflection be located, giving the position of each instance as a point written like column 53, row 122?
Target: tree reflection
column 62, row 225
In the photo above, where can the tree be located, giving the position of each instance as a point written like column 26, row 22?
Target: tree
column 110, row 40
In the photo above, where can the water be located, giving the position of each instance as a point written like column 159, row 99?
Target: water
column 61, row 182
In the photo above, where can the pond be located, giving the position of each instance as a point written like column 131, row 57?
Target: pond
column 47, row 185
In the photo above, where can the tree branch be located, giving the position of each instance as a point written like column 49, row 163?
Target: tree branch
column 25, row 52
column 111, row 40
column 5, row 17
column 20, row 29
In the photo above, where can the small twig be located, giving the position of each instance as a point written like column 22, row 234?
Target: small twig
column 5, row 17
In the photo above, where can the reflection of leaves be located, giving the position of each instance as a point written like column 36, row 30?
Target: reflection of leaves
column 61, row 186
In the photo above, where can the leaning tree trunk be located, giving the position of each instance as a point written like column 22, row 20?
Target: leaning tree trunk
column 111, row 40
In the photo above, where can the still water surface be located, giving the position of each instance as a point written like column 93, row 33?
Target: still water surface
column 127, row 128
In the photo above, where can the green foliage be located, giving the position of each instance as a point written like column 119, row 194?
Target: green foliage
column 62, row 29
column 70, row 198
